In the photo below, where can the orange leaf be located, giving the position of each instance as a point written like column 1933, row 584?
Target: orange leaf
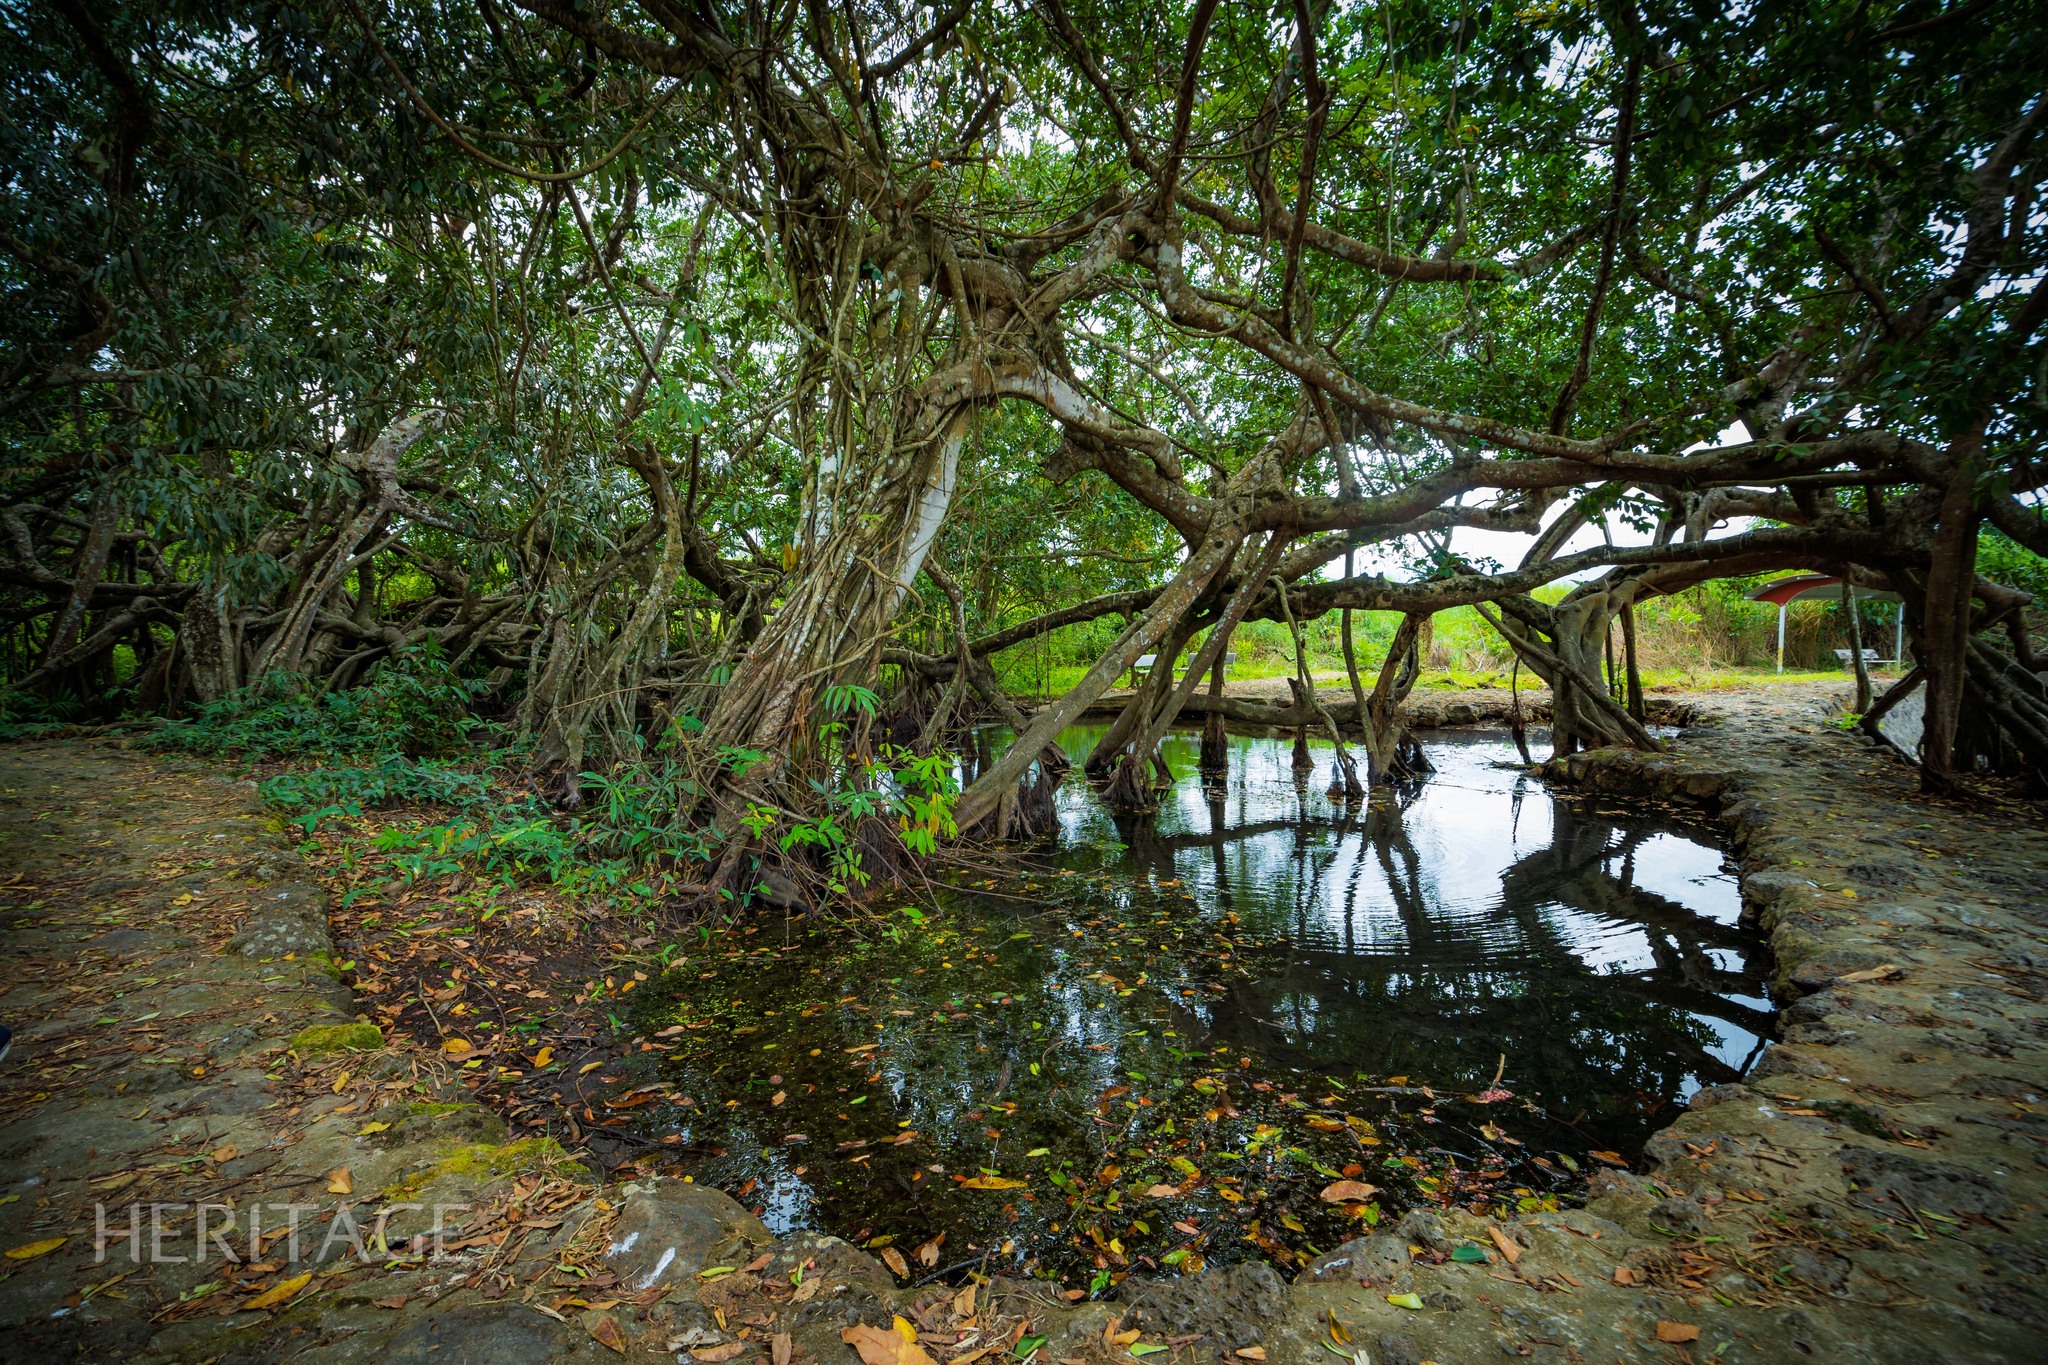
column 928, row 1253
column 712, row 1355
column 1161, row 1192
column 991, row 1182
column 883, row 1346
column 1624, row 1276
column 1345, row 1191
column 1677, row 1332
column 338, row 1181
column 893, row 1259
column 1508, row 1246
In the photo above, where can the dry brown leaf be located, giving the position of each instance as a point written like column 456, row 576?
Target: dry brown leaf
column 1161, row 1191
column 395, row 1301
column 883, row 1346
column 338, row 1181
column 779, row 1349
column 777, row 1098
column 1884, row 973
column 712, row 1355
column 893, row 1259
column 927, row 1253
column 1624, row 1277
column 963, row 1303
column 1346, row 1191
column 804, row 1292
column 607, row 1332
column 1676, row 1332
column 1251, row 1353
column 758, row 1264
column 1509, row 1247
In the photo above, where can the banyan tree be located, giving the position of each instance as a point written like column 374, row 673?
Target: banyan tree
column 705, row 384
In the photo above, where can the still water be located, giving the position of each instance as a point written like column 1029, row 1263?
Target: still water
column 1167, row 1040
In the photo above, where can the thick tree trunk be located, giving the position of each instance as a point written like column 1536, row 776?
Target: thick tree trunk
column 1945, row 613
column 1215, row 739
column 1379, row 715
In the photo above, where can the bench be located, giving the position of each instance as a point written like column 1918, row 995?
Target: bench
column 1145, row 662
column 1869, row 658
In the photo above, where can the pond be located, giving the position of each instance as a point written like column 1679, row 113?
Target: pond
column 1251, row 1025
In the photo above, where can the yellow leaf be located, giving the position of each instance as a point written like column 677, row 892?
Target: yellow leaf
column 224, row 1153
column 35, row 1249
column 1410, row 1301
column 370, row 1128
column 991, row 1182
column 341, row 1081
column 279, row 1292
column 904, row 1328
column 456, row 1047
column 338, row 1181
column 544, row 1056
column 588, row 1067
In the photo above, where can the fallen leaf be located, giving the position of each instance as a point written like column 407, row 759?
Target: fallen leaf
column 1624, row 1276
column 883, row 1346
column 1124, row 1338
column 759, row 1263
column 1468, row 1255
column 1409, row 1301
column 893, row 1259
column 902, row 1324
column 338, row 1181
column 370, row 1128
column 1346, row 1191
column 1884, row 973
column 543, row 1057
column 456, row 1047
column 395, row 1301
column 35, row 1249
column 779, row 1347
column 1161, row 1191
column 606, row 1332
column 279, row 1292
column 928, row 1252
column 777, row 1098
column 711, row 1355
column 1609, row 1158
column 1677, row 1332
column 1509, row 1247
column 1251, row 1353
column 223, row 1153
column 1145, row 1348
column 991, row 1182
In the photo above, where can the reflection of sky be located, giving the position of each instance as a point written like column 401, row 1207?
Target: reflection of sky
column 1476, row 881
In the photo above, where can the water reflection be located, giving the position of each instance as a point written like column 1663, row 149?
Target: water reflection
column 1241, row 996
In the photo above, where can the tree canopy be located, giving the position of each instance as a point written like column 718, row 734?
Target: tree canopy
column 735, row 382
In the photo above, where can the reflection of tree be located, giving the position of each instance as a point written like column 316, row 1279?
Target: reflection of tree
column 1451, row 1001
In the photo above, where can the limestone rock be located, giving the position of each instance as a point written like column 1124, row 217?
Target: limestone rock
column 669, row 1230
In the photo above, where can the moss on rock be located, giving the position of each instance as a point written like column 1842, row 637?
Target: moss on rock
column 350, row 1037
column 480, row 1162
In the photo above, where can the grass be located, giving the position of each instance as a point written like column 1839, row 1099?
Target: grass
column 1330, row 673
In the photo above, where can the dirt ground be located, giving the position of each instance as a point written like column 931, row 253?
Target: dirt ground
column 189, row 1048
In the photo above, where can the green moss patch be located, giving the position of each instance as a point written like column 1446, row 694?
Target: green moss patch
column 325, row 1038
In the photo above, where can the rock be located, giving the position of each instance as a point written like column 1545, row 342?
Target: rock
column 1420, row 1225
column 1709, row 1096
column 355, row 1036
column 1229, row 1306
column 1823, row 969
column 669, row 1230
column 1824, row 1270
column 1779, row 1060
column 290, row 921
column 1395, row 1348
column 1885, row 1180
column 487, row 1333
column 1361, row 1258
column 1680, row 1213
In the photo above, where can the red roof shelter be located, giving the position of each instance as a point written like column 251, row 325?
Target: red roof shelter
column 1820, row 587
